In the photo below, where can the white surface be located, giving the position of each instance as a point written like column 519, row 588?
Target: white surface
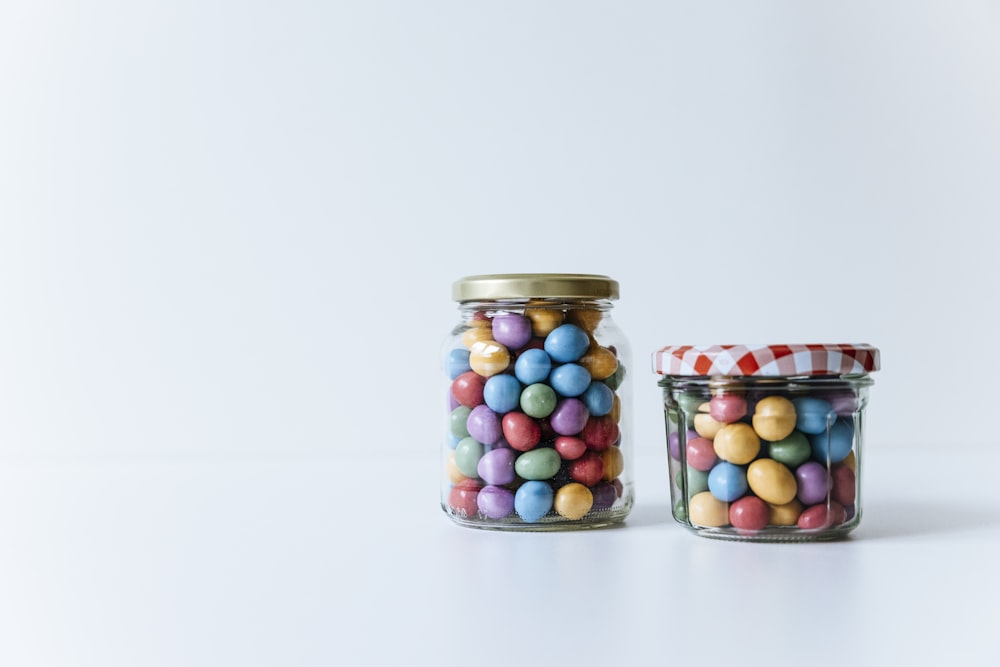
column 228, row 232
column 350, row 561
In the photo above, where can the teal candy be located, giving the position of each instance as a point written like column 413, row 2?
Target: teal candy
column 792, row 451
column 457, row 421
column 467, row 455
column 812, row 414
column 690, row 401
column 697, row 481
column 538, row 464
column 538, row 400
column 616, row 378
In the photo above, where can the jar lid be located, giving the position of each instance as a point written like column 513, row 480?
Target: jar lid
column 766, row 360
column 534, row 285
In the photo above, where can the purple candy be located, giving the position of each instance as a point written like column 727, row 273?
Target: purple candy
column 814, row 482
column 605, row 495
column 675, row 442
column 495, row 502
column 497, row 466
column 512, row 330
column 484, row 425
column 569, row 417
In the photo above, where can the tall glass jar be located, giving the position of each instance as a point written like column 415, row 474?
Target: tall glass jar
column 538, row 422
column 765, row 441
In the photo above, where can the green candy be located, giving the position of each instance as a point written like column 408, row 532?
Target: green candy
column 680, row 511
column 615, row 379
column 697, row 481
column 538, row 400
column 538, row 464
column 690, row 401
column 792, row 450
column 467, row 455
column 457, row 420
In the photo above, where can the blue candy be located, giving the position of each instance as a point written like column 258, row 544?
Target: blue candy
column 839, row 443
column 533, row 500
column 502, row 393
column 458, row 362
column 812, row 414
column 567, row 343
column 569, row 379
column 727, row 481
column 599, row 399
column 532, row 366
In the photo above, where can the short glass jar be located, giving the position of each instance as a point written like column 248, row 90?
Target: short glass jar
column 538, row 429
column 764, row 441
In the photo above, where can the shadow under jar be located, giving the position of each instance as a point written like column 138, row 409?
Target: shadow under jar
column 538, row 432
column 765, row 441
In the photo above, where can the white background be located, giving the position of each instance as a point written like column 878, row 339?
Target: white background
column 228, row 231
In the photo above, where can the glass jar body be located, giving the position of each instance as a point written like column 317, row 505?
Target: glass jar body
column 538, row 429
column 766, row 459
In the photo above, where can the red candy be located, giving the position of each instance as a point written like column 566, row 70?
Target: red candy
column 600, row 433
column 467, row 389
column 727, row 408
column 570, row 447
column 818, row 516
column 845, row 488
column 521, row 431
column 463, row 498
column 588, row 469
column 701, row 454
column 749, row 513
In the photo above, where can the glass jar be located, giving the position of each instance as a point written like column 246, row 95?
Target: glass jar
column 538, row 428
column 764, row 441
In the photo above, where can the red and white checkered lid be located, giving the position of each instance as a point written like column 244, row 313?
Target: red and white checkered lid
column 766, row 360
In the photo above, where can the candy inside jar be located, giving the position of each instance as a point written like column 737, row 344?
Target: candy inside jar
column 764, row 441
column 538, row 433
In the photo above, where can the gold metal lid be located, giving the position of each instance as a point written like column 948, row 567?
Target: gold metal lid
column 534, row 285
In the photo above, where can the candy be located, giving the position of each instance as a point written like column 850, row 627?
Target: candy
column 614, row 463
column 599, row 399
column 600, row 362
column 567, row 342
column 573, row 500
column 749, row 513
column 585, row 318
column 467, row 455
column 727, row 481
column 462, row 498
column 468, row 387
column 771, row 481
column 512, row 330
column 604, row 495
column 458, row 420
column 844, row 485
column 544, row 320
column 569, row 416
column 488, row 357
column 704, row 509
column 674, row 442
column 502, row 393
column 813, row 415
column 495, row 502
column 497, row 466
column 538, row 400
column 784, row 515
column 701, row 454
column 533, row 366
column 774, row 418
column 484, row 425
column 706, row 425
column 538, row 464
column 835, row 444
column 791, row 451
column 600, row 433
column 821, row 516
column 533, row 500
column 727, row 408
column 737, row 443
column 458, row 363
column 588, row 469
column 570, row 447
column 521, row 431
column 570, row 380
column 813, row 482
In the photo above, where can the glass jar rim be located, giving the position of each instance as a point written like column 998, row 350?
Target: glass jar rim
column 489, row 287
column 814, row 359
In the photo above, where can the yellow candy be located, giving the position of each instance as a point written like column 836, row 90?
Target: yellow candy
column 736, row 443
column 614, row 462
column 704, row 509
column 706, row 426
column 599, row 361
column 616, row 409
column 573, row 500
column 476, row 334
column 851, row 461
column 451, row 468
column 544, row 320
column 585, row 318
column 774, row 418
column 488, row 357
column 771, row 481
column 784, row 515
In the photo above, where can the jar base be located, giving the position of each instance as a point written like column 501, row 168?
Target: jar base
column 774, row 534
column 598, row 520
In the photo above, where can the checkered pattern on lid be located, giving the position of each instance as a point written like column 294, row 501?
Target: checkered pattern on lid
column 766, row 360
